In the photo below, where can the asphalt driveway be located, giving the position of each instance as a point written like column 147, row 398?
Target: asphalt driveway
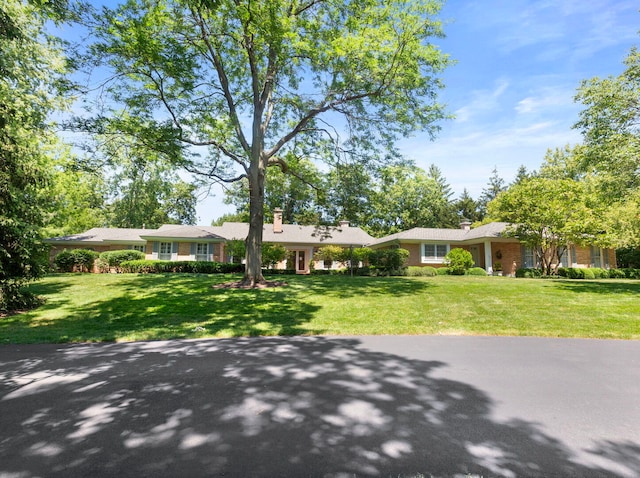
column 322, row 406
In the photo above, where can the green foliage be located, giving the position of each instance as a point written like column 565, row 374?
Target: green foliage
column 630, row 273
column 191, row 267
column 628, row 257
column 273, row 254
column 415, row 271
column 616, row 274
column 475, row 271
column 235, row 249
column 406, row 197
column 75, row 260
column 547, row 213
column 609, row 125
column 458, row 261
column 32, row 81
column 330, row 253
column 529, row 273
column 389, row 261
column 442, row 271
column 115, row 258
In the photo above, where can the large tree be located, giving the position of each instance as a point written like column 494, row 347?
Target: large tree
column 31, row 78
column 610, row 124
column 405, row 197
column 251, row 83
column 549, row 214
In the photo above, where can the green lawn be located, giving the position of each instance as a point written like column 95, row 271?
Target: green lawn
column 125, row 307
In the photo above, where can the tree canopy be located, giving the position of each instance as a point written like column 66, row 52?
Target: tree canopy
column 32, row 71
column 228, row 88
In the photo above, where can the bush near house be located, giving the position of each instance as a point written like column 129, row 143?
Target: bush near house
column 113, row 259
column 458, row 261
column 192, row 267
column 76, row 260
column 389, row 262
column 476, row 271
column 428, row 271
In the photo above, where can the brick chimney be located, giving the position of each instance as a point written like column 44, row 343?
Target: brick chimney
column 344, row 223
column 465, row 225
column 277, row 220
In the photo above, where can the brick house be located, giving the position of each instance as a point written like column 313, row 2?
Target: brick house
column 490, row 248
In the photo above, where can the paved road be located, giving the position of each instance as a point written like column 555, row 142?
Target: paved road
column 326, row 406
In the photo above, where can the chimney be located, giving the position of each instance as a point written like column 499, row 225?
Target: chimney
column 277, row 220
column 465, row 225
column 344, row 223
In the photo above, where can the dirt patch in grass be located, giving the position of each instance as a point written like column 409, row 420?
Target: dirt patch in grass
column 241, row 285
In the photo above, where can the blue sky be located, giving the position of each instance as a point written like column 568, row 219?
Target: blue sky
column 519, row 64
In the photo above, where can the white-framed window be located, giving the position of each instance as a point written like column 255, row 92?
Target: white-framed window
column 528, row 258
column 164, row 251
column 596, row 256
column 137, row 247
column 202, row 251
column 433, row 253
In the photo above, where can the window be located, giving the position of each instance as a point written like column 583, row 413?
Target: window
column 137, row 248
column 202, row 251
column 434, row 253
column 164, row 251
column 528, row 258
column 596, row 256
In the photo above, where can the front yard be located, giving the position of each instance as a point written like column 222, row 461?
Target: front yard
column 126, row 307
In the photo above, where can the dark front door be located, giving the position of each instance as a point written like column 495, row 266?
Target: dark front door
column 301, row 261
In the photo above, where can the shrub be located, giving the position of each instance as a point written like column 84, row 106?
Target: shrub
column 458, row 261
column 428, row 271
column 115, row 258
column 442, row 271
column 616, row 274
column 390, row 261
column 476, row 271
column 599, row 273
column 80, row 260
column 193, row 267
column 630, row 273
column 589, row 274
column 272, row 254
column 529, row 273
column 64, row 261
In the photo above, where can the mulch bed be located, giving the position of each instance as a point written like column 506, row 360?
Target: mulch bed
column 240, row 285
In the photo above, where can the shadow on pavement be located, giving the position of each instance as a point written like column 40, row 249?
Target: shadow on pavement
column 301, row 406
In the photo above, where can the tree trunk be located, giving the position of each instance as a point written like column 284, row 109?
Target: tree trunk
column 253, row 267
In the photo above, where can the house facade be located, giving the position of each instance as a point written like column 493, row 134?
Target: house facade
column 488, row 244
column 207, row 243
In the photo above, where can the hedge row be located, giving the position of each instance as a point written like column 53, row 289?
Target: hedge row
column 584, row 273
column 193, row 267
column 598, row 273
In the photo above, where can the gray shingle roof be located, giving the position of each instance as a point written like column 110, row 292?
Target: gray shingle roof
column 99, row 235
column 182, row 232
column 291, row 234
column 294, row 234
column 494, row 229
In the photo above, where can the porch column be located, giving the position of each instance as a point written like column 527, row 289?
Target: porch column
column 488, row 257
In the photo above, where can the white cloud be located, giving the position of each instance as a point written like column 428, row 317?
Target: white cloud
column 482, row 101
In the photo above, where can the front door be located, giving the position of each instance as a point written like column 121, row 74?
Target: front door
column 301, row 262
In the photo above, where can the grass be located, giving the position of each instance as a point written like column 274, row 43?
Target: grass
column 126, row 307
